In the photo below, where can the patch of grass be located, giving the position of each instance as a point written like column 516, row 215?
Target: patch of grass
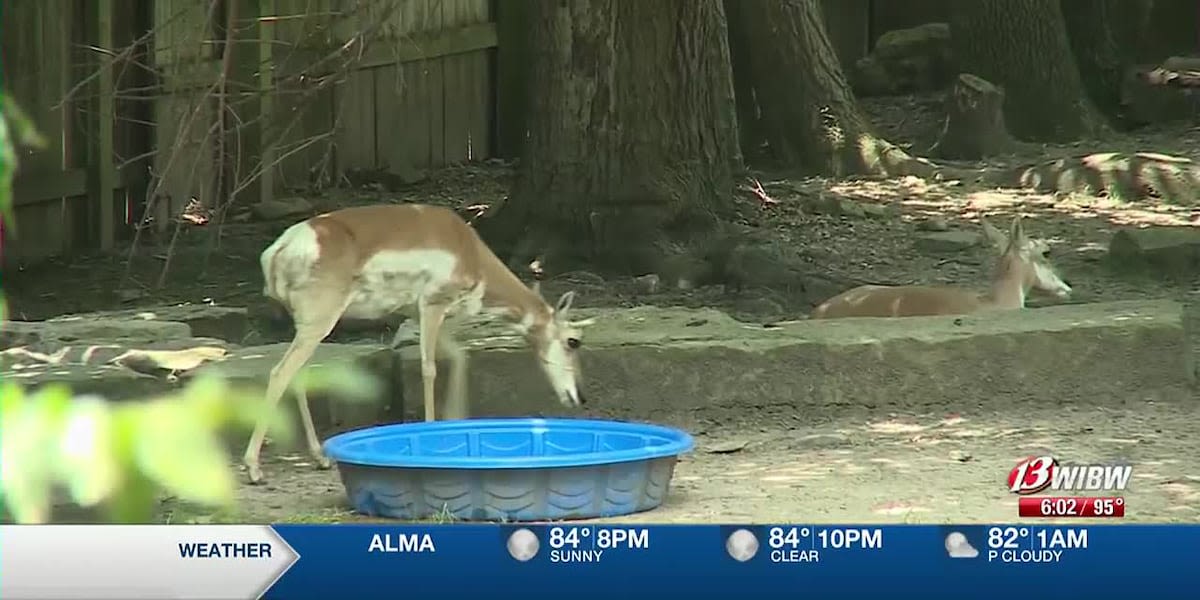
column 198, row 515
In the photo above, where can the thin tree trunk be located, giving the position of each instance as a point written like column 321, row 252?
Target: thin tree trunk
column 810, row 116
column 633, row 138
column 1022, row 46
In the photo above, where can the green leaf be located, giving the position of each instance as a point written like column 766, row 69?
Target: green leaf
column 135, row 503
column 188, row 460
column 15, row 128
column 26, row 468
column 88, row 461
column 348, row 381
column 217, row 405
column 8, row 168
column 12, row 397
column 26, row 132
column 210, row 398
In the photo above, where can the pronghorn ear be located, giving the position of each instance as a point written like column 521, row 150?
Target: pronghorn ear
column 564, row 304
column 1017, row 234
column 994, row 236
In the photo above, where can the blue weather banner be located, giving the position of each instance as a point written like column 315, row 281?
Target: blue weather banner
column 583, row 561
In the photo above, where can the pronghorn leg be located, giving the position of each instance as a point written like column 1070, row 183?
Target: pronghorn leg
column 432, row 316
column 310, row 430
column 313, row 324
column 456, row 390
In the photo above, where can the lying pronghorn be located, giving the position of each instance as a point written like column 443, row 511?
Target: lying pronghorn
column 371, row 261
column 1022, row 266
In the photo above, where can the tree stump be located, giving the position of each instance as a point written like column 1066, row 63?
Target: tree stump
column 974, row 121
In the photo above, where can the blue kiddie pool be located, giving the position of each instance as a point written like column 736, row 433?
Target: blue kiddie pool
column 508, row 469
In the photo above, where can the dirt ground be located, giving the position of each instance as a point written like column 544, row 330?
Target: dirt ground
column 864, row 468
column 765, row 467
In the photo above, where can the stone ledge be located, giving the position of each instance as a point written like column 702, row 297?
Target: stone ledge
column 652, row 359
column 649, row 360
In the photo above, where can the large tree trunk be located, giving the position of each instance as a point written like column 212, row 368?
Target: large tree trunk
column 1101, row 61
column 1022, row 46
column 749, row 126
column 810, row 116
column 632, row 141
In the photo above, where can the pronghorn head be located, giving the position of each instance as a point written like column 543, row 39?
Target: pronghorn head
column 556, row 341
column 1030, row 256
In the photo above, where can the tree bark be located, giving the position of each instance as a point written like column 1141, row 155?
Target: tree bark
column 810, row 116
column 1094, row 44
column 749, row 126
column 633, row 138
column 1022, row 46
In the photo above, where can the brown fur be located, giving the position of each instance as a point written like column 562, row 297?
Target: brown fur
column 1012, row 279
column 318, row 291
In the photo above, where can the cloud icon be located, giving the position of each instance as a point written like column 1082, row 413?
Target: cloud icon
column 957, row 546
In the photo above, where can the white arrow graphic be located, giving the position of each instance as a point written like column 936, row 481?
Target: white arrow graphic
column 132, row 562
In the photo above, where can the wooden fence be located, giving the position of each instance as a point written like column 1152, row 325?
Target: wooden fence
column 124, row 91
column 71, row 195
column 316, row 88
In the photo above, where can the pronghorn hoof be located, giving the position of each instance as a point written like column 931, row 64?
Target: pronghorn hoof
column 255, row 475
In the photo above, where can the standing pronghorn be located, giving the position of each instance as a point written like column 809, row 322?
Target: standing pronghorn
column 1022, row 266
column 371, row 261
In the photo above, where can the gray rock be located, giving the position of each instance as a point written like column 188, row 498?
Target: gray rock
column 282, row 208
column 850, row 208
column 871, row 78
column 125, row 330
column 933, row 224
column 684, row 271
column 647, row 284
column 757, row 308
column 1170, row 250
column 767, row 262
column 947, row 242
column 907, row 60
column 876, row 211
column 406, row 174
column 229, row 323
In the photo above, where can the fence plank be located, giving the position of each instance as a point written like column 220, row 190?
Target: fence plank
column 103, row 177
column 266, row 101
column 355, row 137
column 456, row 104
column 409, row 118
column 420, row 46
column 39, row 34
column 184, row 160
column 303, row 123
column 467, row 106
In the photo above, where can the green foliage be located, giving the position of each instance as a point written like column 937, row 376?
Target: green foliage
column 121, row 457
column 16, row 129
